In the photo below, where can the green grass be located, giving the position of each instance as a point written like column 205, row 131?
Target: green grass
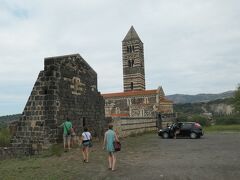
column 5, row 137
column 61, row 166
column 222, row 128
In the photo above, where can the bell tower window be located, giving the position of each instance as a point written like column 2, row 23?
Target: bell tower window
column 129, row 63
column 130, row 49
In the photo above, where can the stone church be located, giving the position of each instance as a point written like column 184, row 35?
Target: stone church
column 135, row 101
column 67, row 88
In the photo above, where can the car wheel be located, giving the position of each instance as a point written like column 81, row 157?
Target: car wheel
column 193, row 135
column 165, row 135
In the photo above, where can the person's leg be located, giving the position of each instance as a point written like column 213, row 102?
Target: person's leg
column 176, row 133
column 87, row 153
column 83, row 153
column 114, row 159
column 73, row 140
column 64, row 142
column 69, row 141
column 110, row 160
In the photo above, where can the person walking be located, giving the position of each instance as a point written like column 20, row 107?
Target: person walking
column 73, row 136
column 67, row 128
column 109, row 138
column 86, row 138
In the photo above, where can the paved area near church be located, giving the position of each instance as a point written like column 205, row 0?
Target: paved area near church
column 215, row 156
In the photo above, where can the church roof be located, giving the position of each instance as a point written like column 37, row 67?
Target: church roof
column 131, row 35
column 165, row 101
column 130, row 93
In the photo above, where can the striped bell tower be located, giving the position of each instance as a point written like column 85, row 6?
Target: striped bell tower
column 133, row 62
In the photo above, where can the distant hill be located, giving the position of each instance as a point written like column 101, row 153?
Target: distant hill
column 219, row 106
column 183, row 98
column 9, row 118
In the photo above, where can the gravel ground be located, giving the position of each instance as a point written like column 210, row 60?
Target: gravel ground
column 215, row 156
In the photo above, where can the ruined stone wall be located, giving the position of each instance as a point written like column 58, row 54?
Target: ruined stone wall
column 66, row 88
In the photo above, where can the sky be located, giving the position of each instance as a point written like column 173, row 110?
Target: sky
column 190, row 46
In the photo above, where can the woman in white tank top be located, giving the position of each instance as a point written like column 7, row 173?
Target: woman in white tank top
column 86, row 137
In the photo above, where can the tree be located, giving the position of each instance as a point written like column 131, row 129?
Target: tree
column 237, row 100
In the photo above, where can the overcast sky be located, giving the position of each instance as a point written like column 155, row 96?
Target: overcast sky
column 191, row 46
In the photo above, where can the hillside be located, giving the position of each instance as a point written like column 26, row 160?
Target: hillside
column 7, row 119
column 219, row 106
column 183, row 98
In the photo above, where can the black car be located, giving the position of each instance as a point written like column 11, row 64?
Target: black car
column 182, row 129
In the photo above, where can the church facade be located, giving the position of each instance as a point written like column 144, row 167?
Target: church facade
column 135, row 100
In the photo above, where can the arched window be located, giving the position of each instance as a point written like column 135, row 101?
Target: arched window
column 133, row 48
column 146, row 100
column 142, row 112
column 129, row 63
column 117, row 110
column 129, row 101
column 131, row 85
column 127, row 49
column 132, row 62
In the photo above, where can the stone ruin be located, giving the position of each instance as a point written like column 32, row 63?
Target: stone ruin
column 66, row 88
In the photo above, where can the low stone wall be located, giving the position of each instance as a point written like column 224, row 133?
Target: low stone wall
column 6, row 153
column 14, row 152
column 133, row 125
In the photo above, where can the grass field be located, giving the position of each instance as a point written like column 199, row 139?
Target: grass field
column 69, row 166
column 222, row 128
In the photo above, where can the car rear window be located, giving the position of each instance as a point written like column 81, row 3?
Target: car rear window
column 186, row 125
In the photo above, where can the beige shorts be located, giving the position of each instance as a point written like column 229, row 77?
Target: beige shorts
column 66, row 138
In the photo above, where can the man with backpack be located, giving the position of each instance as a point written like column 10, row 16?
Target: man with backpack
column 67, row 129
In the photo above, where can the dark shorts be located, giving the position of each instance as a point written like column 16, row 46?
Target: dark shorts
column 85, row 143
column 111, row 153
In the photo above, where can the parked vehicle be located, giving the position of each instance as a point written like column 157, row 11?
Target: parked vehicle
column 182, row 129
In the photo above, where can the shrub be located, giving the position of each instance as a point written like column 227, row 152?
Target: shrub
column 204, row 121
column 227, row 119
column 237, row 99
column 5, row 137
column 3, row 125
